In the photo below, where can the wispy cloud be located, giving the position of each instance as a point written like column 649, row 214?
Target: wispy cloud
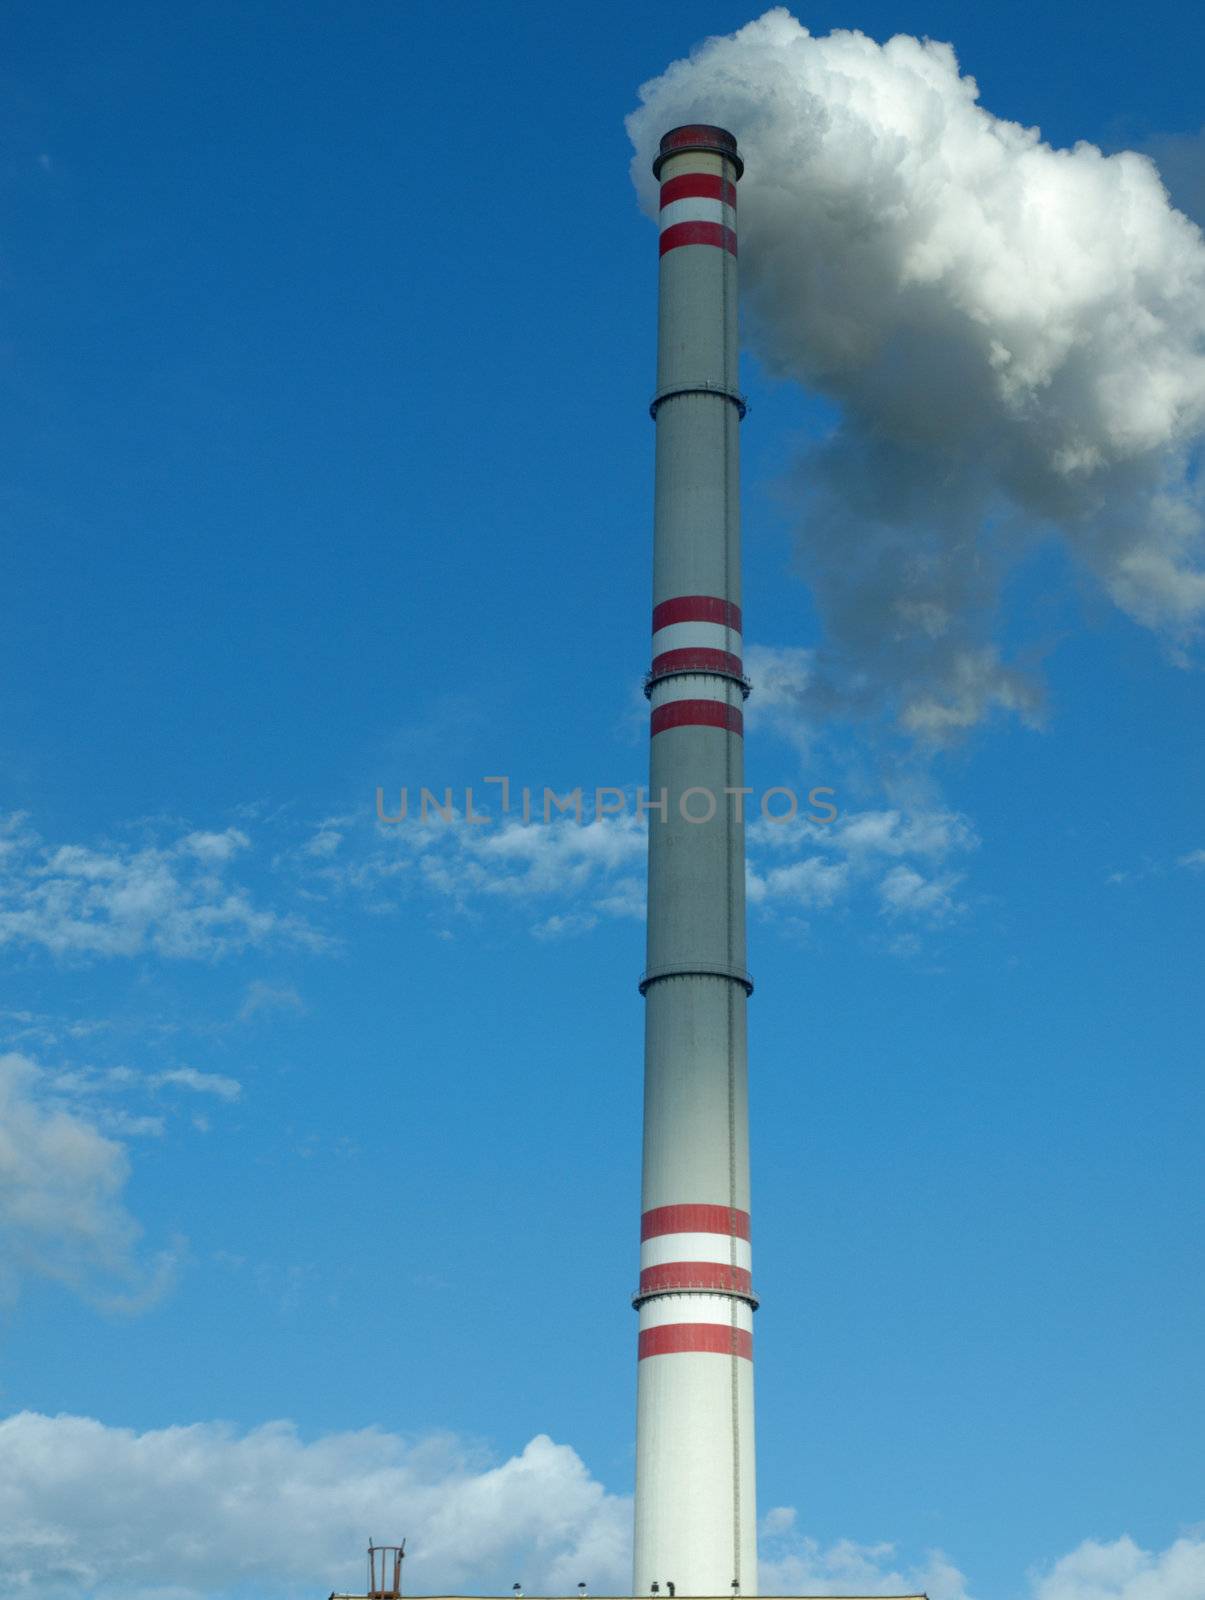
column 564, row 877
column 95, row 1089
column 1154, row 867
column 573, row 873
column 891, row 859
column 62, row 1210
column 792, row 1563
column 560, row 927
column 573, row 876
column 261, row 997
column 174, row 900
column 214, row 847
column 212, row 1083
column 812, row 883
column 908, row 893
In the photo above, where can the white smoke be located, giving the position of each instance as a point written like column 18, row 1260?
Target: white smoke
column 1014, row 336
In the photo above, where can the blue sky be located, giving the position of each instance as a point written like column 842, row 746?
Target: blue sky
column 328, row 337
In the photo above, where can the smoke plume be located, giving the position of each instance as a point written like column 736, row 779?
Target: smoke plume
column 1013, row 336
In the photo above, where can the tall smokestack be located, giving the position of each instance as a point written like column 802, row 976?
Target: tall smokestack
column 695, row 1500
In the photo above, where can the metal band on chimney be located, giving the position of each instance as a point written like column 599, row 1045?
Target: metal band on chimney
column 695, row 970
column 733, row 396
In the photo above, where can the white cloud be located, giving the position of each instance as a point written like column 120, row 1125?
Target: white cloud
column 625, row 898
column 200, row 1082
column 835, row 862
column 777, row 1521
column 62, row 1211
column 563, row 927
column 91, row 1092
column 1194, row 860
column 261, row 996
column 206, row 1511
column 215, row 847
column 92, row 1080
column 584, row 866
column 76, row 901
column 325, row 842
column 578, row 874
column 1123, row 1571
column 931, row 833
column 860, row 836
column 812, row 882
column 536, row 858
column 130, row 1126
column 906, row 892
column 1015, row 342
column 792, row 1564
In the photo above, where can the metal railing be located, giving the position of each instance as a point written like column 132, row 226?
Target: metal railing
column 685, row 1287
column 693, row 969
column 719, row 389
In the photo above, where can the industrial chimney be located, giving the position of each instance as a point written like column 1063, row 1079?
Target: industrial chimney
column 695, row 1495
